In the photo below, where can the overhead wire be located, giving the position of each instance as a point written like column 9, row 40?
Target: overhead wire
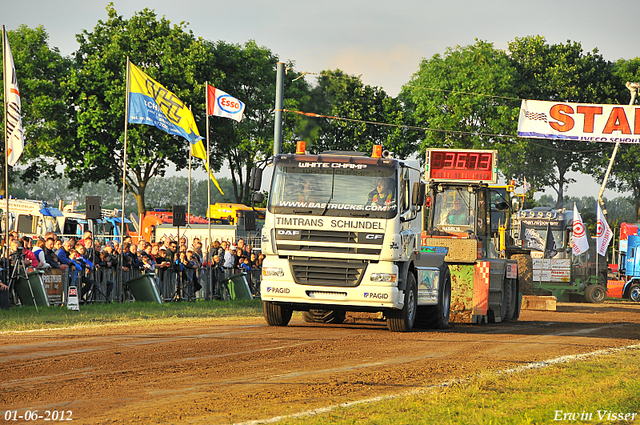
column 425, row 129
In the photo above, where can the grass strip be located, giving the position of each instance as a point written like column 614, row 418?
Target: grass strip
column 601, row 390
column 27, row 318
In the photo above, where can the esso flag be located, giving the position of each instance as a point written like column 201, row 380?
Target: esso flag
column 222, row 104
column 580, row 122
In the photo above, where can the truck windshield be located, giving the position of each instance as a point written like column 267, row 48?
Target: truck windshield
column 338, row 192
column 453, row 209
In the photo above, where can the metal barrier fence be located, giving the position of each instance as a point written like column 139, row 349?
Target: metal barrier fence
column 109, row 285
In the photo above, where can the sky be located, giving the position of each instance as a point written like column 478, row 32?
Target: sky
column 382, row 42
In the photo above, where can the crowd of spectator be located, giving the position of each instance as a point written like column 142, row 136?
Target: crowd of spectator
column 81, row 257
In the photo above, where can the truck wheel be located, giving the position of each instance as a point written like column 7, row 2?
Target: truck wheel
column 402, row 320
column 634, row 293
column 595, row 294
column 276, row 314
column 437, row 316
column 512, row 301
column 525, row 273
column 324, row 316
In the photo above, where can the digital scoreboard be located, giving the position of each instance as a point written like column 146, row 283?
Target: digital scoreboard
column 462, row 165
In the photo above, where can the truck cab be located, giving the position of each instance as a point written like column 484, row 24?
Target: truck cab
column 341, row 233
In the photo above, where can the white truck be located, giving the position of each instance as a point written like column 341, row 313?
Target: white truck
column 334, row 243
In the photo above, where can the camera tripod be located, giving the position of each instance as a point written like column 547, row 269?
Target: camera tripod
column 181, row 293
column 18, row 271
column 94, row 292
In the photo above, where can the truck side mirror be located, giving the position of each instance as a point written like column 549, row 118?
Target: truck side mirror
column 417, row 197
column 257, row 197
column 255, row 180
column 515, row 204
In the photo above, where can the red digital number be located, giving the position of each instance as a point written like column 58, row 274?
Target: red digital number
column 485, row 162
column 461, row 162
column 449, row 160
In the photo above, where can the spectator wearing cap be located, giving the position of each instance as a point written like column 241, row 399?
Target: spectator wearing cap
column 230, row 258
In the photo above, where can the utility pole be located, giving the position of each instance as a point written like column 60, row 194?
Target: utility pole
column 633, row 88
column 277, row 128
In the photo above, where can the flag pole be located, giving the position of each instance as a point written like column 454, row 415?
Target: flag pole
column 6, row 159
column 209, row 242
column 189, row 189
column 124, row 165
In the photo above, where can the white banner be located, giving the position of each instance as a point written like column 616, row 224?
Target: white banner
column 604, row 233
column 581, row 122
column 580, row 241
column 15, row 132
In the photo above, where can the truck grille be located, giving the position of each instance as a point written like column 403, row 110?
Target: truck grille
column 327, row 272
column 326, row 248
column 328, row 236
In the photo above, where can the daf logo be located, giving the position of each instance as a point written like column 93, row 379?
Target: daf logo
column 374, row 236
column 289, row 232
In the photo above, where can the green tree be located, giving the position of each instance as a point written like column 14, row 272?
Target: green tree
column 625, row 174
column 345, row 96
column 248, row 72
column 466, row 99
column 47, row 118
column 167, row 53
column 557, row 72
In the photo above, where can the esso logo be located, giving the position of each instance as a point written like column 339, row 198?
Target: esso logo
column 229, row 104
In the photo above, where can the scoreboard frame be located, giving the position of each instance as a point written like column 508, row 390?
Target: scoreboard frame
column 462, row 165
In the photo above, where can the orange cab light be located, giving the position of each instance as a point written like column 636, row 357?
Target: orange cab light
column 377, row 151
column 301, row 147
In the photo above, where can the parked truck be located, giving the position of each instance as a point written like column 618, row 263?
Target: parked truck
column 31, row 217
column 470, row 220
column 342, row 233
column 556, row 271
column 624, row 279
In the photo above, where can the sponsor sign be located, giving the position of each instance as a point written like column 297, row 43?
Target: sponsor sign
column 72, row 299
column 376, row 295
column 579, row 121
column 276, row 290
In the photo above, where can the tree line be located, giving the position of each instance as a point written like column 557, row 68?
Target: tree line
column 466, row 97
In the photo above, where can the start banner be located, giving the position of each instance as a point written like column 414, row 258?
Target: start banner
column 581, row 122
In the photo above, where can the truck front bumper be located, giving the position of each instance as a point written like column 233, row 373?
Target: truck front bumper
column 278, row 285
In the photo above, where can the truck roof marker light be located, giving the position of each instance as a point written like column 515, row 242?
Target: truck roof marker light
column 377, row 151
column 301, row 147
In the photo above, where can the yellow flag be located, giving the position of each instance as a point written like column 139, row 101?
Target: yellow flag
column 198, row 150
column 152, row 104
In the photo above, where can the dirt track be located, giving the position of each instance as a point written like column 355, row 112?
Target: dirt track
column 224, row 371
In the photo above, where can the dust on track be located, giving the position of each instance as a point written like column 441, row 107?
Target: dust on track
column 224, row 371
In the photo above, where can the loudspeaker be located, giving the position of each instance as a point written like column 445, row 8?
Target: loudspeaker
column 179, row 215
column 249, row 221
column 94, row 207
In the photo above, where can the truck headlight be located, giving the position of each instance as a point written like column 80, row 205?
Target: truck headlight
column 383, row 277
column 272, row 271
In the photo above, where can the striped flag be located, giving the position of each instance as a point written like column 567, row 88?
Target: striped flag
column 15, row 132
